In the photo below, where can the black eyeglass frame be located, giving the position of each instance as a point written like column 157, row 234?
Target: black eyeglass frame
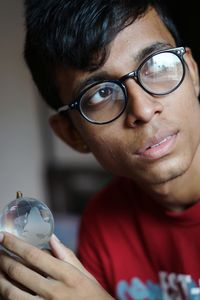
column 75, row 104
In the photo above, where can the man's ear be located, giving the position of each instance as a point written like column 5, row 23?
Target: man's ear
column 66, row 131
column 193, row 68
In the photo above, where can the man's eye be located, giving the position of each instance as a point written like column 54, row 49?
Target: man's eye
column 105, row 92
column 101, row 95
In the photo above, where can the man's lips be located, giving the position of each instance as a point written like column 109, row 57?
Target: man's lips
column 158, row 146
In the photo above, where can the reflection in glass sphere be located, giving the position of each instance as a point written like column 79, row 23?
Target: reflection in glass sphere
column 29, row 219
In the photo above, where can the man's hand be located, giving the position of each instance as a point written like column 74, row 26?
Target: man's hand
column 65, row 278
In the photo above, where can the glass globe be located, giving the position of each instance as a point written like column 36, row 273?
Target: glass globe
column 28, row 219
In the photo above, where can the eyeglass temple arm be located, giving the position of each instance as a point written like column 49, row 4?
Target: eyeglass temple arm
column 63, row 108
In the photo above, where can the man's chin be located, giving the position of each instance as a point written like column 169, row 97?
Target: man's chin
column 162, row 182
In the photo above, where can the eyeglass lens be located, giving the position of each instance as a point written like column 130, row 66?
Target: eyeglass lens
column 161, row 73
column 103, row 102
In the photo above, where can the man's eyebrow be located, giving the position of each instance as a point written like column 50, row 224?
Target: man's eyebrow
column 102, row 75
column 158, row 46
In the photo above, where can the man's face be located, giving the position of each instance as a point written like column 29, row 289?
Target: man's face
column 157, row 138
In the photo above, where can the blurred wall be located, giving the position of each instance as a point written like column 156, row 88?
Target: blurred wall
column 21, row 157
column 27, row 144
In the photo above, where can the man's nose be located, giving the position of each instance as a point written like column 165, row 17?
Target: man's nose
column 142, row 107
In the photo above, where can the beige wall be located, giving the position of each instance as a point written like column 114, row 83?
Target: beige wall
column 21, row 159
column 26, row 142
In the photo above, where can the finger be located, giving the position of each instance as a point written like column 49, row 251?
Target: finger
column 23, row 275
column 19, row 259
column 38, row 258
column 10, row 291
column 66, row 255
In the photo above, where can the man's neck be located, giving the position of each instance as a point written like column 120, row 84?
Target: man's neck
column 181, row 192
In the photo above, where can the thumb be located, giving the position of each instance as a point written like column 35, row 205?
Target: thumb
column 65, row 254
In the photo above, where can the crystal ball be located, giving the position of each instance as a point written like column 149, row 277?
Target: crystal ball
column 28, row 219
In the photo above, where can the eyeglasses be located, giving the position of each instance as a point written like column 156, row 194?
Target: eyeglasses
column 104, row 101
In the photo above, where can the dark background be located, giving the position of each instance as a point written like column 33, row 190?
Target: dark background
column 187, row 18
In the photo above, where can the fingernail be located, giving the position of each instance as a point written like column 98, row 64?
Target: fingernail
column 56, row 238
column 1, row 237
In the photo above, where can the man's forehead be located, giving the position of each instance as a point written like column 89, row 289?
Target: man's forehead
column 140, row 35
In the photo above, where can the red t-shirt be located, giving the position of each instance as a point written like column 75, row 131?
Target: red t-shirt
column 136, row 249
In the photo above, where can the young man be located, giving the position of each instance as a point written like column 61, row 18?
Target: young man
column 127, row 90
